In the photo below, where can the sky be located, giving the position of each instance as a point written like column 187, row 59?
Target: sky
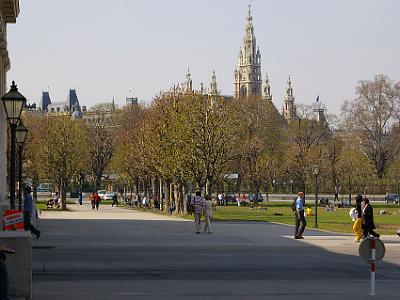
column 116, row 49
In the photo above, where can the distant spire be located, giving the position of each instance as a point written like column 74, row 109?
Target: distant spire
column 188, row 83
column 289, row 107
column 247, row 76
column 249, row 15
column 213, row 84
column 267, row 89
column 289, row 89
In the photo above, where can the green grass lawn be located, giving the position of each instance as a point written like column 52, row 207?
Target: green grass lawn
column 41, row 204
column 338, row 221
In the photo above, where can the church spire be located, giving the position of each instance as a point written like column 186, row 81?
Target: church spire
column 267, row 89
column 248, row 80
column 187, row 86
column 289, row 108
column 213, row 84
column 289, row 89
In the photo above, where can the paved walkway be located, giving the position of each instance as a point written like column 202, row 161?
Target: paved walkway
column 127, row 254
column 105, row 212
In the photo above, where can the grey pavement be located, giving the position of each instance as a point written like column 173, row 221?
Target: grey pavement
column 118, row 253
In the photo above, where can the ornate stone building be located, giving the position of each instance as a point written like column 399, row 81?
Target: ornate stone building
column 9, row 10
column 248, row 78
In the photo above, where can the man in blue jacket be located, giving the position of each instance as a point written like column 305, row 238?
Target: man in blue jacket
column 299, row 215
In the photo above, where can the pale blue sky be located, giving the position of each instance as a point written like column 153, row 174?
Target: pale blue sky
column 102, row 48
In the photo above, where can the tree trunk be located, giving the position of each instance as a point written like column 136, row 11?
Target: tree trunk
column 161, row 194
column 63, row 195
column 137, row 193
column 154, row 189
column 256, row 192
column 167, row 193
column 184, row 199
column 171, row 192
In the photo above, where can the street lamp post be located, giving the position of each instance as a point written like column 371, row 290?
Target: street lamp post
column 20, row 134
column 291, row 186
column 13, row 103
column 315, row 171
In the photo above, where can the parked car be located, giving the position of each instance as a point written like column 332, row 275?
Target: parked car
column 101, row 193
column 392, row 198
column 109, row 195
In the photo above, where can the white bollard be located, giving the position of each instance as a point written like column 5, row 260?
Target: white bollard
column 373, row 266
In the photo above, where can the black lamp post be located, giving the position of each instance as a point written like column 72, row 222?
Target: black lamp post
column 315, row 171
column 13, row 102
column 20, row 134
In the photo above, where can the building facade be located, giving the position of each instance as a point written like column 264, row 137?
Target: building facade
column 9, row 11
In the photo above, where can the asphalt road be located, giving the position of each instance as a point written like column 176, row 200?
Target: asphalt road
column 115, row 253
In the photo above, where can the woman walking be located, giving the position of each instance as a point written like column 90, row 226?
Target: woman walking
column 208, row 213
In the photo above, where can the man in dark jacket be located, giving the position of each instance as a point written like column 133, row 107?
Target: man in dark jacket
column 368, row 224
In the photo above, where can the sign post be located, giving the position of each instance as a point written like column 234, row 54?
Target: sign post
column 372, row 250
column 13, row 220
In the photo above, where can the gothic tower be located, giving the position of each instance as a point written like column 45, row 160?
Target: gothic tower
column 187, row 86
column 289, row 108
column 267, row 89
column 213, row 85
column 248, row 80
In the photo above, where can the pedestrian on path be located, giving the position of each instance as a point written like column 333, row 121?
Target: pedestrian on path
column 115, row 200
column 198, row 204
column 299, row 215
column 357, row 219
column 92, row 198
column 336, row 194
column 28, row 208
column 97, row 200
column 368, row 224
column 208, row 213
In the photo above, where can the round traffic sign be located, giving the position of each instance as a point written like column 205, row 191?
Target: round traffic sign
column 365, row 249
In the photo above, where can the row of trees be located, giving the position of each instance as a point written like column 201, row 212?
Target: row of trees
column 182, row 142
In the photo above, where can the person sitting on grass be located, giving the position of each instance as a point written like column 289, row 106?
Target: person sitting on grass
column 50, row 203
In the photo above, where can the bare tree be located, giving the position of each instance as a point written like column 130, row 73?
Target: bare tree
column 374, row 118
column 101, row 142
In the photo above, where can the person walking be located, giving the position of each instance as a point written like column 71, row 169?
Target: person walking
column 198, row 205
column 220, row 199
column 28, row 208
column 357, row 219
column 92, row 198
column 299, row 215
column 80, row 197
column 208, row 213
column 115, row 200
column 97, row 200
column 368, row 224
column 336, row 194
